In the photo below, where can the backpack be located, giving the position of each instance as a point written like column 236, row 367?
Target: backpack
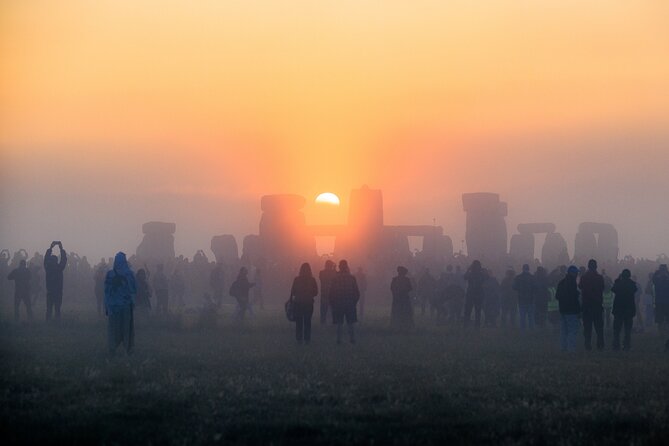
column 289, row 307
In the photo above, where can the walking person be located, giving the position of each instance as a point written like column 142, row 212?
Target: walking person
column 541, row 297
column 303, row 292
column 592, row 289
column 567, row 295
column 624, row 308
column 22, row 278
column 240, row 291
column 53, row 269
column 524, row 285
column 361, row 278
column 509, row 301
column 401, row 313
column 475, row 277
column 120, row 290
column 344, row 295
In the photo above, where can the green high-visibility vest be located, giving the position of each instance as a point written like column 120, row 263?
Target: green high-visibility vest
column 608, row 299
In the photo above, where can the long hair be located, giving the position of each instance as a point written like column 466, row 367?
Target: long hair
column 305, row 270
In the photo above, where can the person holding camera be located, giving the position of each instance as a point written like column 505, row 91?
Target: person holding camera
column 53, row 269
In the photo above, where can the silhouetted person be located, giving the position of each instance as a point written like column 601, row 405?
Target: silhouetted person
column 607, row 299
column 455, row 295
column 22, row 278
column 541, row 296
column 303, row 291
column 326, row 276
column 661, row 288
column 509, row 300
column 592, row 290
column 240, row 291
column 401, row 313
column 524, row 285
column 491, row 303
column 649, row 301
column 258, row 298
column 475, row 277
column 624, row 308
column 35, row 267
column 99, row 286
column 53, row 270
column 217, row 284
column 343, row 296
column 161, row 287
column 120, row 290
column 567, row 295
column 427, row 286
column 144, row 293
column 361, row 278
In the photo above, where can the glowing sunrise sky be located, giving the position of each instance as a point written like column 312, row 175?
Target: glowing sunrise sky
column 113, row 113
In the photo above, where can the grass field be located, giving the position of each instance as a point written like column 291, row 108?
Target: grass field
column 253, row 385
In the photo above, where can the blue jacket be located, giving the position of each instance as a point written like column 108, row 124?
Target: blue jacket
column 120, row 285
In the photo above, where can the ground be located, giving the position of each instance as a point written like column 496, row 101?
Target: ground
column 254, row 385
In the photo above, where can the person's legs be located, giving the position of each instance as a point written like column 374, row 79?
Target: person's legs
column 113, row 330
column 587, row 329
column 49, row 305
column 469, row 305
column 307, row 324
column 126, row 326
column 324, row 311
column 617, row 325
column 17, row 302
column 29, row 308
column 58, row 300
column 564, row 332
column 478, row 306
column 530, row 316
column 299, row 324
column 523, row 316
column 598, row 322
column 627, row 342
column 572, row 322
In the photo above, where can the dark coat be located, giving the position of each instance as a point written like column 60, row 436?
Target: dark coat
column 623, row 303
column 567, row 295
column 592, row 289
column 344, row 291
column 304, row 289
column 54, row 272
column 661, row 283
column 21, row 278
column 525, row 286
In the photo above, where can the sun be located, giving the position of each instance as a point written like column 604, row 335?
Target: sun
column 329, row 198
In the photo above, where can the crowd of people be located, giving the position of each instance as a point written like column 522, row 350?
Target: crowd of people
column 569, row 297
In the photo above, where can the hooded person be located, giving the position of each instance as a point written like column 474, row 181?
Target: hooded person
column 120, row 291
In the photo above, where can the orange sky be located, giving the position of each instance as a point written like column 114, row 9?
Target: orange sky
column 188, row 111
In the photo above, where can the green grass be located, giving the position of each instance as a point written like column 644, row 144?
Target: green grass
column 252, row 384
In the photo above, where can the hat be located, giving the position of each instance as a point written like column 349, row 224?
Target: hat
column 572, row 270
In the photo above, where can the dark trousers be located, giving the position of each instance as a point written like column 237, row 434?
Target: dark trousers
column 618, row 324
column 17, row 304
column 303, row 313
column 324, row 310
column 162, row 301
column 120, row 328
column 509, row 316
column 593, row 318
column 53, row 302
column 475, row 303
